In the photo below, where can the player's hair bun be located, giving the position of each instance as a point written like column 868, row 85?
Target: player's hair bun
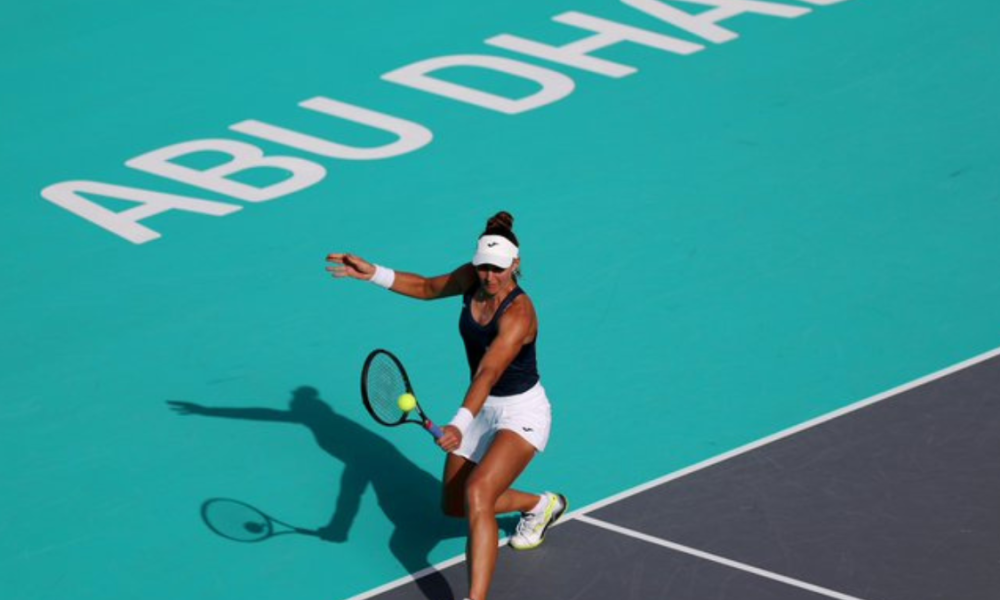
column 502, row 224
column 501, row 220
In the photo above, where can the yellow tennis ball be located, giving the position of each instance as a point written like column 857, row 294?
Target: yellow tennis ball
column 407, row 402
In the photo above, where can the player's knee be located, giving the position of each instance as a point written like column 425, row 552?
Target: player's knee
column 479, row 497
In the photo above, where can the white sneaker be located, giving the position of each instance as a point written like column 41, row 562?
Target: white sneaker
column 532, row 527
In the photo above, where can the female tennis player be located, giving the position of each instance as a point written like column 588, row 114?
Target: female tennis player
column 505, row 416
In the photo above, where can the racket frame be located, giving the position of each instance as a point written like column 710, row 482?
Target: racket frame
column 424, row 421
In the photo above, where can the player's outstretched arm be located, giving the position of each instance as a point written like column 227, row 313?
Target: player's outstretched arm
column 345, row 265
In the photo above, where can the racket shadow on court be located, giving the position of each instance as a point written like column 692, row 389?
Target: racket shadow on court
column 408, row 495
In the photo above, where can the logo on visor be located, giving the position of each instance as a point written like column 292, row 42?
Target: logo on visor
column 491, row 244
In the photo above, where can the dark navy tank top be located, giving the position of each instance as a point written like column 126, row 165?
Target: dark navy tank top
column 522, row 374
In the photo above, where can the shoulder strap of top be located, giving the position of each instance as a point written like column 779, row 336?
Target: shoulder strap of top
column 508, row 300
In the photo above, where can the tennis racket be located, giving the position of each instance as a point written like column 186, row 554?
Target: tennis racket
column 240, row 522
column 383, row 381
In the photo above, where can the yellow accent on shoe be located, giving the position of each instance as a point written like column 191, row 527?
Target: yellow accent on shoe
column 532, row 527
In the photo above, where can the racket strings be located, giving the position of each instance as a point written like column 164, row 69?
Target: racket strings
column 385, row 384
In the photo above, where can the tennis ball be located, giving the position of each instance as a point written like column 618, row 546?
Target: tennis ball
column 407, row 402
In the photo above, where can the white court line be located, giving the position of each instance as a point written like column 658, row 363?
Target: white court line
column 579, row 514
column 714, row 558
column 454, row 560
column 409, row 578
column 787, row 432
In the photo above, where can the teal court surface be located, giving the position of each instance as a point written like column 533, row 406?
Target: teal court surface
column 737, row 218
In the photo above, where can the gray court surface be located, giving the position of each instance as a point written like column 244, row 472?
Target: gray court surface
column 899, row 500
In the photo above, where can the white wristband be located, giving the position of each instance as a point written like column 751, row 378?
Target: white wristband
column 462, row 419
column 383, row 277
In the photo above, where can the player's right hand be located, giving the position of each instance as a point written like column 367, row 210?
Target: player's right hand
column 349, row 265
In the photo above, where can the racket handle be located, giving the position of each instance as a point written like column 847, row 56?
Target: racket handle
column 434, row 429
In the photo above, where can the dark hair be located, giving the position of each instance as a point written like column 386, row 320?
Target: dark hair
column 502, row 224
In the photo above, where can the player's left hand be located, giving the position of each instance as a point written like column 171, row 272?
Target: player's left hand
column 451, row 438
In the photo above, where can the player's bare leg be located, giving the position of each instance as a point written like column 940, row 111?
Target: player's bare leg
column 456, row 475
column 506, row 459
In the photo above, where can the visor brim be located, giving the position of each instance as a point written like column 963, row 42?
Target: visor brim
column 483, row 258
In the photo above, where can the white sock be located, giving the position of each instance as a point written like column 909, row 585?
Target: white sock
column 543, row 503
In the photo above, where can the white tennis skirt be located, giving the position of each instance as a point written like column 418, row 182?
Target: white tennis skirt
column 527, row 414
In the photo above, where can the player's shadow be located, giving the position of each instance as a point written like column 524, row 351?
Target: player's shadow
column 409, row 495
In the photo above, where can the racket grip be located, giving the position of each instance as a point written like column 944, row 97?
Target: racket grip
column 434, row 429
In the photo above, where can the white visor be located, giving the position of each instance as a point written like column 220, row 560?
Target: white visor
column 495, row 250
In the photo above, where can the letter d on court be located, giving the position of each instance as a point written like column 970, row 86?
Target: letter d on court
column 555, row 85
